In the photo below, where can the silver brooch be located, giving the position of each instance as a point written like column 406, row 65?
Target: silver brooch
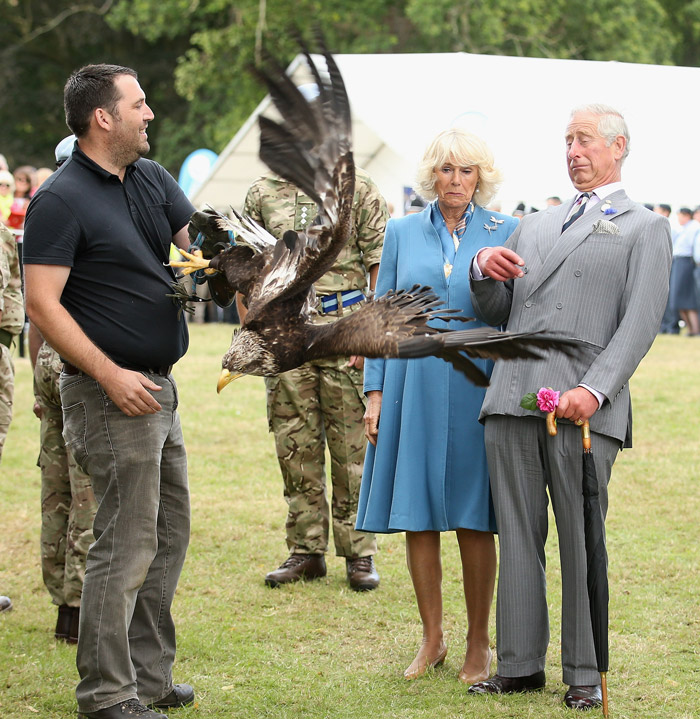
column 495, row 225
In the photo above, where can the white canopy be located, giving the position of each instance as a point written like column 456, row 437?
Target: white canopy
column 520, row 106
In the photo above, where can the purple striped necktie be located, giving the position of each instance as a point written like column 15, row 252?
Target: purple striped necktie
column 577, row 210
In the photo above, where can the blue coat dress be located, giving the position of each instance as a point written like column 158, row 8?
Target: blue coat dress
column 428, row 470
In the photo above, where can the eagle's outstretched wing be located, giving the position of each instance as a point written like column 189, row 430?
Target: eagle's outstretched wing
column 396, row 326
column 311, row 148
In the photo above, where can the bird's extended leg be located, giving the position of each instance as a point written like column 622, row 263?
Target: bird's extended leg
column 194, row 262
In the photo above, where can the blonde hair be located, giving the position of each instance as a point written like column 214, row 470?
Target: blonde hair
column 465, row 150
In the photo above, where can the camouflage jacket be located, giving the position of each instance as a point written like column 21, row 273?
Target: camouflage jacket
column 278, row 206
column 11, row 303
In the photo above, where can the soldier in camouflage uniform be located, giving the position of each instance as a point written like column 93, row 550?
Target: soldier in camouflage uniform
column 323, row 399
column 11, row 324
column 68, row 504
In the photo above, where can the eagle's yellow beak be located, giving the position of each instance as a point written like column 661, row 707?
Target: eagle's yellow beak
column 226, row 378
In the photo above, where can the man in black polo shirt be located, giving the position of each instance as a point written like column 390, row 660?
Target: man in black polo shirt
column 97, row 236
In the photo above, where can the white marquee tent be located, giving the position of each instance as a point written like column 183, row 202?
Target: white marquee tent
column 519, row 105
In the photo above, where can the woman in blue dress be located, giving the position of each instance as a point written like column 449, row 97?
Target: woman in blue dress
column 425, row 469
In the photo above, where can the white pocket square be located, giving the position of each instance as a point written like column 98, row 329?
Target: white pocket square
column 606, row 227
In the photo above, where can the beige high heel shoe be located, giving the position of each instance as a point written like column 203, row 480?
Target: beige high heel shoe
column 423, row 668
column 482, row 676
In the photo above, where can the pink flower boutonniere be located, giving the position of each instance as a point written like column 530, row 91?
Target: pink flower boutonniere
column 546, row 400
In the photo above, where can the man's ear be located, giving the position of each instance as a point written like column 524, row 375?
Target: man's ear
column 620, row 143
column 103, row 119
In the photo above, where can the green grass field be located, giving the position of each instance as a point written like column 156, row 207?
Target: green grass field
column 321, row 650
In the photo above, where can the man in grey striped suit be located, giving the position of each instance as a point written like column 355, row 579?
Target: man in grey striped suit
column 595, row 268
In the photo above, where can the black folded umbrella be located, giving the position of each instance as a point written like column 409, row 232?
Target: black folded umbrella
column 597, row 559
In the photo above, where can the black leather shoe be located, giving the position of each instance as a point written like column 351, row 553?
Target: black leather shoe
column 509, row 685
column 5, row 604
column 362, row 576
column 123, row 710
column 182, row 695
column 584, row 697
column 65, row 615
column 296, row 567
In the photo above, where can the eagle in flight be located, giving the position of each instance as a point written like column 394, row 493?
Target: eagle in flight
column 311, row 147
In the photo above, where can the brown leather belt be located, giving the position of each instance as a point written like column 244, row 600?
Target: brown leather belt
column 71, row 369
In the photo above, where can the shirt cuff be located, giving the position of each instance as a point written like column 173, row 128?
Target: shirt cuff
column 475, row 273
column 598, row 395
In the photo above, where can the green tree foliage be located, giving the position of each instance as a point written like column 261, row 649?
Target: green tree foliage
column 622, row 30
column 42, row 42
column 684, row 19
column 212, row 73
column 193, row 56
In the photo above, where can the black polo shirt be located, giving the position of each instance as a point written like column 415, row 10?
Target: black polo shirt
column 115, row 237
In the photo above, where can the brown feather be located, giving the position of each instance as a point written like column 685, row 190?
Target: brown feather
column 396, row 326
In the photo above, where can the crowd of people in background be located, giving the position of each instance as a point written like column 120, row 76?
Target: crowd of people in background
column 17, row 187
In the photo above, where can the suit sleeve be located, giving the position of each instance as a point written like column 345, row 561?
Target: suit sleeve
column 386, row 280
column 491, row 299
column 643, row 304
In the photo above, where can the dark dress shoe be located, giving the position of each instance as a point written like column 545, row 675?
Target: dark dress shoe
column 65, row 615
column 362, row 576
column 5, row 604
column 182, row 695
column 123, row 710
column 296, row 567
column 584, row 697
column 509, row 685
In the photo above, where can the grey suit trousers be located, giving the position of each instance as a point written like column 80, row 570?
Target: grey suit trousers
column 526, row 464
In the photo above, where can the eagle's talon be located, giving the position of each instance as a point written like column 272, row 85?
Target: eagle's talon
column 194, row 262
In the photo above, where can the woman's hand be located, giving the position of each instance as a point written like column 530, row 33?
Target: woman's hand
column 372, row 412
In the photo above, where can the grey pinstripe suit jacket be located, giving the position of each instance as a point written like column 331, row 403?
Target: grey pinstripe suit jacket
column 606, row 290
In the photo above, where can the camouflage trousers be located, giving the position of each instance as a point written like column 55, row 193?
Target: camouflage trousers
column 67, row 502
column 7, row 391
column 320, row 402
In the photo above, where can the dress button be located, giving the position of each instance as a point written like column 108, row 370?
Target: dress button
column 559, row 305
column 578, row 273
column 528, row 304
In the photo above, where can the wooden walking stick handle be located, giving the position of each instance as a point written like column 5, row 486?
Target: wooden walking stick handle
column 586, row 436
column 551, row 419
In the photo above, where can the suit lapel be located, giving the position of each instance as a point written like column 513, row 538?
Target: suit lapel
column 552, row 222
column 570, row 239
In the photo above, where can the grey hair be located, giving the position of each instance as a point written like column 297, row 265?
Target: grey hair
column 610, row 125
column 466, row 150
